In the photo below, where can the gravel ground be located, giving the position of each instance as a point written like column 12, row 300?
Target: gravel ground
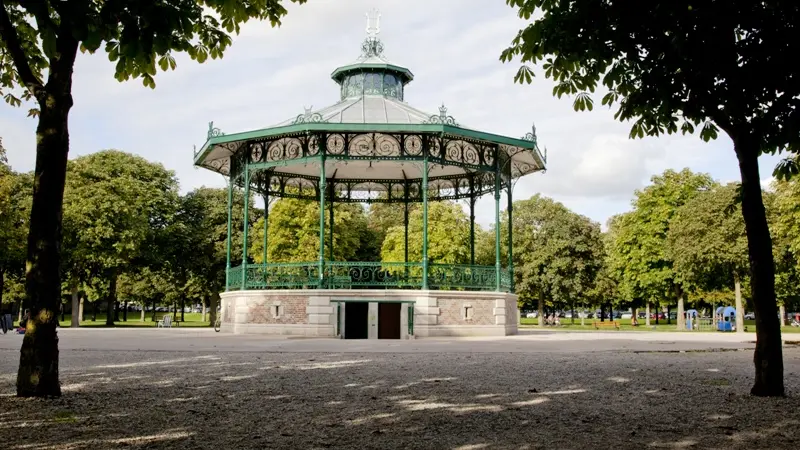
column 226, row 400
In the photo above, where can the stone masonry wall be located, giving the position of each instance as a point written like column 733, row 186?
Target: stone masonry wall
column 451, row 311
column 291, row 310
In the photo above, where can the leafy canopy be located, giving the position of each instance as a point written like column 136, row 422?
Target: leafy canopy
column 557, row 253
column 639, row 252
column 707, row 241
column 139, row 37
column 672, row 65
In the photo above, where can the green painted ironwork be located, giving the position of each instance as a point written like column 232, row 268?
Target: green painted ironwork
column 342, row 275
column 321, row 219
column 266, row 227
column 410, row 319
column 228, row 243
column 246, row 223
column 365, row 275
column 510, row 211
column 425, row 224
column 331, row 226
column 455, row 276
column 497, row 225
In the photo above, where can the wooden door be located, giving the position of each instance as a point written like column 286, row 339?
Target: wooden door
column 389, row 320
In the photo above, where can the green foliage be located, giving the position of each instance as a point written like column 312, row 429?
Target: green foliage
column 113, row 204
column 707, row 242
column 37, row 37
column 784, row 217
column 638, row 248
column 557, row 253
column 448, row 236
column 294, row 232
column 15, row 205
column 671, row 66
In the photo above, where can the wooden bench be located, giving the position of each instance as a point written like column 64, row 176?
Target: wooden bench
column 611, row 323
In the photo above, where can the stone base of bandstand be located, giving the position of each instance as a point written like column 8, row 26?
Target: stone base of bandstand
column 321, row 313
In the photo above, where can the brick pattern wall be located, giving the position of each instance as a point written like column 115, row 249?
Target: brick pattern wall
column 450, row 311
column 293, row 310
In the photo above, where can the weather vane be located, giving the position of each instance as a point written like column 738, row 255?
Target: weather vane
column 373, row 23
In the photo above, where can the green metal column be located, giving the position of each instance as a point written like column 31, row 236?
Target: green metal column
column 405, row 236
column 330, row 192
column 510, row 240
column 228, row 243
column 321, row 220
column 266, row 229
column 497, row 224
column 246, row 223
column 472, row 229
column 425, row 223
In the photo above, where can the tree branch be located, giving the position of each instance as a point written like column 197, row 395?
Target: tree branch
column 14, row 47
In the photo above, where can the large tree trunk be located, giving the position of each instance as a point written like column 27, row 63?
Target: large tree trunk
column 183, row 307
column 38, row 364
column 205, row 299
column 112, row 300
column 76, row 306
column 80, row 309
column 540, row 315
column 782, row 313
column 681, row 316
column 144, row 307
column 647, row 315
column 737, row 288
column 768, row 356
column 125, row 311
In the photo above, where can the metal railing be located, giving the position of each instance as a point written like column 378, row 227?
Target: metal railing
column 367, row 275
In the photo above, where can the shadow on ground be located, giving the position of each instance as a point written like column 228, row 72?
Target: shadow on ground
column 384, row 400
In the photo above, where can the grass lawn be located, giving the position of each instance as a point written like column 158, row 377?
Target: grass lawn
column 625, row 324
column 134, row 320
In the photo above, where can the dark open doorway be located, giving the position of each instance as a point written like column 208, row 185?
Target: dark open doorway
column 356, row 321
column 389, row 320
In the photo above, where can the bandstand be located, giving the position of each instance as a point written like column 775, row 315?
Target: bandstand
column 370, row 147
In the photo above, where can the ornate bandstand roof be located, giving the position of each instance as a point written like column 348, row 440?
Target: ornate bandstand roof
column 371, row 140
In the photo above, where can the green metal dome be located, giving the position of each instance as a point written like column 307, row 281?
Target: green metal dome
column 372, row 73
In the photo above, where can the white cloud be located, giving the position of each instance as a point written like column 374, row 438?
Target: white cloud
column 451, row 46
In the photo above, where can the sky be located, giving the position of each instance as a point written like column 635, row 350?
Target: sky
column 453, row 49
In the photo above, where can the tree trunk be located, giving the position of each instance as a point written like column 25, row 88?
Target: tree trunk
column 782, row 313
column 768, row 356
column 183, row 307
column 681, row 315
column 38, row 363
column 174, row 311
column 125, row 311
column 154, row 310
column 116, row 309
column 647, row 315
column 572, row 317
column 583, row 315
column 112, row 300
column 76, row 306
column 540, row 316
column 94, row 310
column 204, row 309
column 737, row 287
column 212, row 310
column 144, row 308
column 666, row 314
column 602, row 313
column 80, row 310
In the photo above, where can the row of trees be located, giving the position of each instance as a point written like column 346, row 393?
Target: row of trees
column 129, row 236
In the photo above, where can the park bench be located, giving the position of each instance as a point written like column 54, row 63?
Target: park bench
column 611, row 323
column 165, row 322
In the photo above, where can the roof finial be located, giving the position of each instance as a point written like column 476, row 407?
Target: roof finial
column 373, row 23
